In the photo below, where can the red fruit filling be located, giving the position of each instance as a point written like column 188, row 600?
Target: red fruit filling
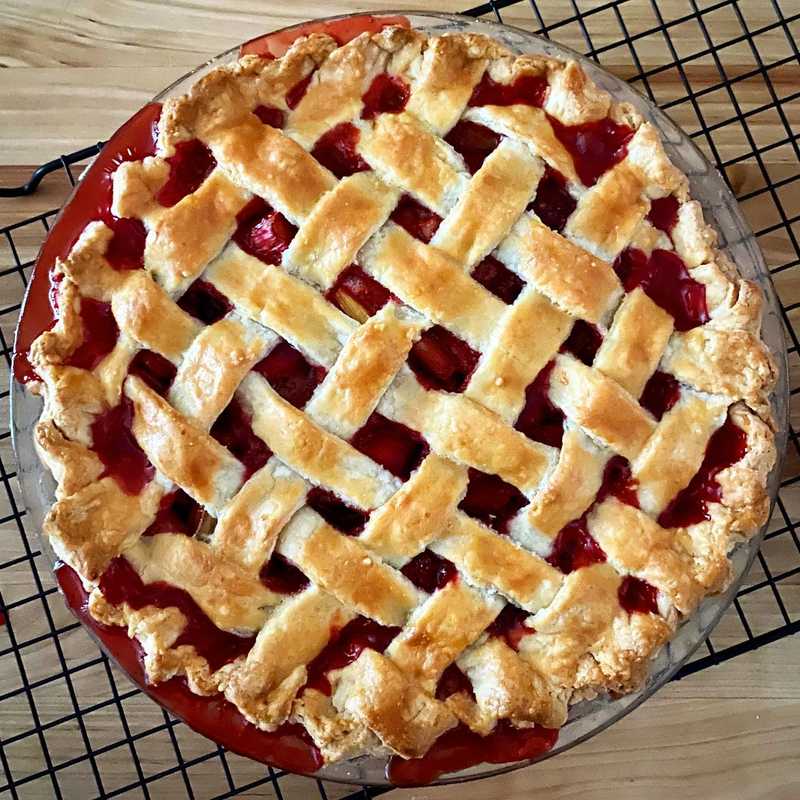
column 553, row 204
column 177, row 513
column 666, row 281
column 638, row 596
column 491, row 500
column 188, row 168
column 100, row 334
column 336, row 512
column 595, row 147
column 510, row 624
column 205, row 302
column 115, row 445
column 263, row 232
column 155, row 370
column 473, row 141
column 498, row 279
column 281, row 576
column 529, row 90
column 387, row 94
column 727, row 445
column 419, row 221
column 583, row 342
column 453, row 680
column 660, row 393
column 234, row 431
column 664, row 213
column 574, row 548
column 298, row 91
column 336, row 150
column 120, row 583
column 430, row 572
column 271, row 116
column 369, row 295
column 539, row 419
column 345, row 646
column 392, row 445
column 290, row 374
column 441, row 360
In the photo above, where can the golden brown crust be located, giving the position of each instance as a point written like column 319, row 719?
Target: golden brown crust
column 586, row 288
column 92, row 526
column 583, row 641
column 182, row 451
column 600, row 406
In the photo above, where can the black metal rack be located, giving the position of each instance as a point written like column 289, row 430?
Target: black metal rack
column 110, row 722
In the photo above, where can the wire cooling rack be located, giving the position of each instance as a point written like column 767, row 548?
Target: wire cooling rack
column 114, row 742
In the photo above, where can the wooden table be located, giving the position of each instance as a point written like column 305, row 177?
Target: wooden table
column 75, row 69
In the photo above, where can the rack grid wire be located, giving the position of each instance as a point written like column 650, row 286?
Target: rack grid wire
column 97, row 749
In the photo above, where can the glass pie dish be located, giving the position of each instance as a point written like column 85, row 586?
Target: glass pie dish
column 588, row 717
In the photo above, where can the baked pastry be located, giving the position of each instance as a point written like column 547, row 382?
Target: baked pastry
column 402, row 388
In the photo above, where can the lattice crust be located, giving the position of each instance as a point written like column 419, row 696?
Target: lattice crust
column 579, row 638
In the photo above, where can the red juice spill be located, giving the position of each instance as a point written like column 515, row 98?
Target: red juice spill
column 92, row 200
column 460, row 748
column 289, row 747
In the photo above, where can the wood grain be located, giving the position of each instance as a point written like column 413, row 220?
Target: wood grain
column 71, row 71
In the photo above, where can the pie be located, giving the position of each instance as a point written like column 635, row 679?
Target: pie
column 401, row 390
